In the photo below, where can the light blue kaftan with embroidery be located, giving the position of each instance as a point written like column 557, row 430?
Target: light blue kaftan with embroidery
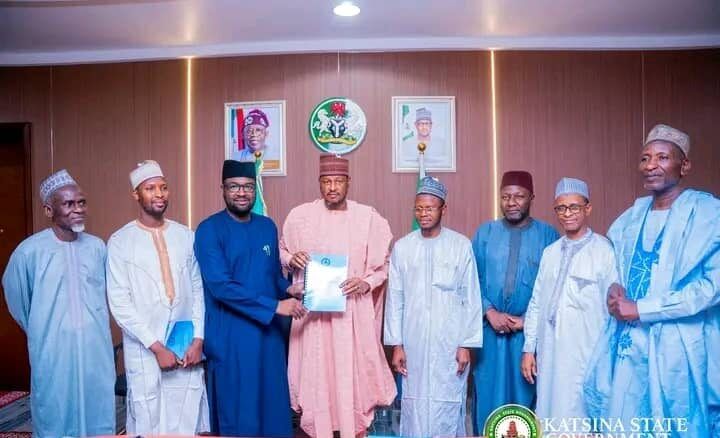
column 658, row 366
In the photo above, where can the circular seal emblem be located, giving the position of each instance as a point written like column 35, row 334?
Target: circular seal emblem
column 512, row 421
column 325, row 261
column 337, row 125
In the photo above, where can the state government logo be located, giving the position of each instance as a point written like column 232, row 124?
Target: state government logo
column 337, row 125
column 512, row 421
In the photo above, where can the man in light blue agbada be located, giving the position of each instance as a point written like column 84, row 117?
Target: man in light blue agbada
column 507, row 252
column 55, row 290
column 653, row 358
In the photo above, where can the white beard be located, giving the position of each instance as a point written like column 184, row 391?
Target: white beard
column 78, row 228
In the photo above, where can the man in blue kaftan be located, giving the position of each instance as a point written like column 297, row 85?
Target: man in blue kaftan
column 653, row 360
column 246, row 305
column 55, row 289
column 507, row 252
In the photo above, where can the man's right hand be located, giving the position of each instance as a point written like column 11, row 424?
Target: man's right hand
column 166, row 359
column 299, row 260
column 399, row 363
column 529, row 367
column 291, row 307
column 499, row 321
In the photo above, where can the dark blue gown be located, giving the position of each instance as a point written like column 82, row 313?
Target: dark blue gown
column 496, row 374
column 245, row 342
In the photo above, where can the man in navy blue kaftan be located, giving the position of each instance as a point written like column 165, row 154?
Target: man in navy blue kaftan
column 247, row 306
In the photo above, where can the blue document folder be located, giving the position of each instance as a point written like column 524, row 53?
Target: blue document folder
column 179, row 337
column 323, row 276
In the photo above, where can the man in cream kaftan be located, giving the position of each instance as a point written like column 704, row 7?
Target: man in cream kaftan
column 153, row 281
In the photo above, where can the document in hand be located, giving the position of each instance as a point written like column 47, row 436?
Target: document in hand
column 323, row 276
column 179, row 337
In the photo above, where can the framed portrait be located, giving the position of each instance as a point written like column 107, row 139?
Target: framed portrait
column 423, row 119
column 257, row 127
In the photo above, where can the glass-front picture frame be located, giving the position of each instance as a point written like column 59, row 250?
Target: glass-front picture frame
column 258, row 127
column 423, row 119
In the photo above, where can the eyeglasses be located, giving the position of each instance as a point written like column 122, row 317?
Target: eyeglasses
column 421, row 210
column 574, row 208
column 234, row 188
column 250, row 130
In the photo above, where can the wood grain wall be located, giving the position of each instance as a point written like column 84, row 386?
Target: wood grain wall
column 684, row 88
column 559, row 114
column 109, row 117
column 371, row 80
column 25, row 97
column 572, row 114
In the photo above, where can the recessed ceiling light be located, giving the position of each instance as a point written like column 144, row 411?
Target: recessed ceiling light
column 346, row 9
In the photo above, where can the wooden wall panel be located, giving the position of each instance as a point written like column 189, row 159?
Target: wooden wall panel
column 25, row 97
column 559, row 113
column 575, row 114
column 296, row 79
column 682, row 89
column 371, row 80
column 109, row 117
column 375, row 78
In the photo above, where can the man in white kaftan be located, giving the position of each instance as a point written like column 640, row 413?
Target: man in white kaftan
column 55, row 289
column 433, row 317
column 567, row 312
column 153, row 281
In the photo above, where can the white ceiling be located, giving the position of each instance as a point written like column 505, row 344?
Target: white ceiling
column 77, row 31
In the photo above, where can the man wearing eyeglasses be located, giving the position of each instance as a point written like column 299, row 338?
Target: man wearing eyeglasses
column 659, row 355
column 247, row 302
column 507, row 253
column 567, row 313
column 336, row 366
column 433, row 319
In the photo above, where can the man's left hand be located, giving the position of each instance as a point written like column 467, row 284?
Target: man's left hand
column 296, row 290
column 193, row 355
column 355, row 286
column 462, row 357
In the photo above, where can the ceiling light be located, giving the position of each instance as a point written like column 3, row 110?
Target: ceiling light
column 346, row 9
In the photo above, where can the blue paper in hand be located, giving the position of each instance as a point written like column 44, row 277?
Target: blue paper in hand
column 179, row 337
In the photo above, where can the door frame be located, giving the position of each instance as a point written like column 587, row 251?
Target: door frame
column 27, row 150
column 26, row 129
